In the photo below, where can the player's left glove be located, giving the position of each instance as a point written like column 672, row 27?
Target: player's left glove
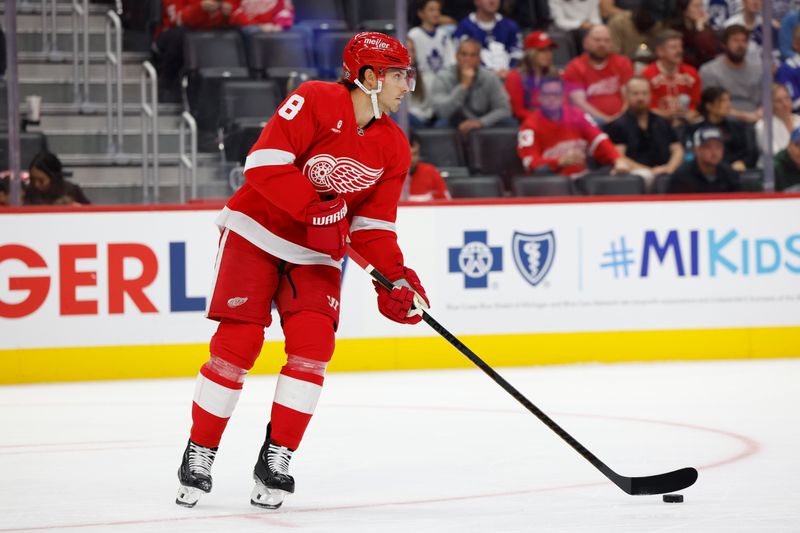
column 404, row 303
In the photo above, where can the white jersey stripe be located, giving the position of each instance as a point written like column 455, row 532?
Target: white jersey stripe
column 297, row 394
column 597, row 140
column 214, row 398
column 221, row 249
column 268, row 157
column 271, row 243
column 362, row 223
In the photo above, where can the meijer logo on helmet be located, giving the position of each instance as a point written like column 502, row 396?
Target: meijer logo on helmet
column 377, row 42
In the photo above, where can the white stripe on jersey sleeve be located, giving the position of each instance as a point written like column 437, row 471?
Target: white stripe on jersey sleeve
column 268, row 157
column 362, row 223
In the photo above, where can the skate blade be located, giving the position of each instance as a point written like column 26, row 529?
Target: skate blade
column 188, row 496
column 267, row 498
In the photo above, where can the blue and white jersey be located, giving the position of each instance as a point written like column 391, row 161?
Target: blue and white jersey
column 434, row 51
column 721, row 10
column 501, row 40
column 789, row 75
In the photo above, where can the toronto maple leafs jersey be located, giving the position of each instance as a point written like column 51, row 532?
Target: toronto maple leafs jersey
column 501, row 41
column 434, row 51
column 310, row 150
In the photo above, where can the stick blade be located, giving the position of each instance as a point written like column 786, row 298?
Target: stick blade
column 659, row 484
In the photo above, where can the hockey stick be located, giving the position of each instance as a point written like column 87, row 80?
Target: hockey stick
column 658, row 484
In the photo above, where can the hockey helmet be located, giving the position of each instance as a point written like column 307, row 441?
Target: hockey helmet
column 381, row 52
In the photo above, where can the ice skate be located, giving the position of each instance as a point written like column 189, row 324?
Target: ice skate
column 195, row 473
column 271, row 475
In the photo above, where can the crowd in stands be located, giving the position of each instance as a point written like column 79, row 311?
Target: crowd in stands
column 629, row 86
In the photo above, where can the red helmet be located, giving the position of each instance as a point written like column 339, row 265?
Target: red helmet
column 376, row 50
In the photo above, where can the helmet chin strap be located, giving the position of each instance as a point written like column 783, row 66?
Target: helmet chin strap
column 373, row 95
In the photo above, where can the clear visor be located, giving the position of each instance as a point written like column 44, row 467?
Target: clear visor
column 400, row 76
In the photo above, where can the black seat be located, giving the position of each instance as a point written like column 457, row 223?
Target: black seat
column 283, row 49
column 547, row 185
column 494, row 151
column 476, row 187
column 30, row 144
column 318, row 11
column 441, row 147
column 289, row 78
column 210, row 57
column 247, row 105
column 605, row 185
column 661, row 185
column 453, row 172
column 752, row 180
column 330, row 46
column 369, row 15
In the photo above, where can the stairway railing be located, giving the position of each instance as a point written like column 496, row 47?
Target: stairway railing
column 113, row 56
column 149, row 111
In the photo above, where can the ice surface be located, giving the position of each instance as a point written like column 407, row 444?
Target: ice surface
column 437, row 451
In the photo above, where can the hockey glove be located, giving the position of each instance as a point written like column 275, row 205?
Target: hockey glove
column 327, row 228
column 404, row 303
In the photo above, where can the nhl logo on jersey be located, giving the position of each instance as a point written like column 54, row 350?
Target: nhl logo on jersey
column 533, row 254
column 340, row 174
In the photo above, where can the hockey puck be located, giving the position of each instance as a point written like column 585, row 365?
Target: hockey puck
column 673, row 498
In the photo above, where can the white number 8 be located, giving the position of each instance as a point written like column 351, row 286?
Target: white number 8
column 292, row 106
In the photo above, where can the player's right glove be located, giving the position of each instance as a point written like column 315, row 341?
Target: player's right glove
column 404, row 303
column 327, row 228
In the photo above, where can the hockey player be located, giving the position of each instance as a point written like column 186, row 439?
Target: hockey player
column 329, row 165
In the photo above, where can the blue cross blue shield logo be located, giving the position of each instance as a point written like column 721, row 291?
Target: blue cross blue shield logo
column 476, row 259
column 533, row 254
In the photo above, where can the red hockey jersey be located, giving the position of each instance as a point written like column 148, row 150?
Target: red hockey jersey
column 542, row 141
column 311, row 148
column 249, row 12
column 192, row 15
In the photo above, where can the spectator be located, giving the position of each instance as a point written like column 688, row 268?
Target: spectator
column 789, row 72
column 784, row 122
column 575, row 17
column 609, row 8
column 675, row 85
column 750, row 18
column 700, row 41
column 433, row 46
column 738, row 73
column 786, row 34
column 706, row 172
column 645, row 140
column 522, row 83
column 561, row 137
column 205, row 14
column 168, row 51
column 595, row 78
column 715, row 108
column 468, row 96
column 787, row 164
column 499, row 37
column 632, row 32
column 268, row 16
column 721, row 10
column 424, row 182
column 47, row 184
column 420, row 104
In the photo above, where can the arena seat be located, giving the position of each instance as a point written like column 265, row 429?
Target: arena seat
column 606, row 185
column 319, row 12
column 211, row 57
column 494, row 151
column 246, row 106
column 369, row 15
column 752, row 180
column 330, row 46
column 545, row 185
column 284, row 49
column 441, row 147
column 476, row 187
